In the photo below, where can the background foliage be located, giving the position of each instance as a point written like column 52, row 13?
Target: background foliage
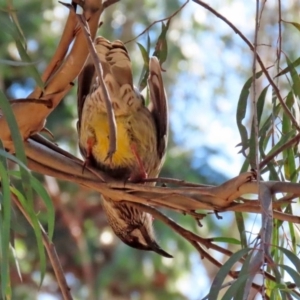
column 206, row 68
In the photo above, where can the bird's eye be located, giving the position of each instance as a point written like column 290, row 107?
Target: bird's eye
column 130, row 228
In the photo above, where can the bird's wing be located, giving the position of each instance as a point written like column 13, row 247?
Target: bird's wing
column 117, row 75
column 158, row 104
column 85, row 79
column 120, row 64
column 119, row 81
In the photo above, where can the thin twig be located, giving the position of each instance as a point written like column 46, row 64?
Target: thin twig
column 279, row 48
column 110, row 112
column 108, row 3
column 286, row 145
column 272, row 83
column 179, row 182
column 257, row 259
column 256, row 208
column 158, row 21
column 254, row 100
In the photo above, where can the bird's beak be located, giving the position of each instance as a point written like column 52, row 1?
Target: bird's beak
column 155, row 247
column 152, row 244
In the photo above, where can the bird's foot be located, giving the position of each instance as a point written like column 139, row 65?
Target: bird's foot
column 90, row 143
column 141, row 174
column 48, row 132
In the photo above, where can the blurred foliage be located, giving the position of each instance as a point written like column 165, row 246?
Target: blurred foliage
column 96, row 264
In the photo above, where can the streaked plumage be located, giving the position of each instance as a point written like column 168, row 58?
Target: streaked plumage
column 141, row 134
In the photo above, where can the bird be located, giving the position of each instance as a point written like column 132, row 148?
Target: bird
column 141, row 135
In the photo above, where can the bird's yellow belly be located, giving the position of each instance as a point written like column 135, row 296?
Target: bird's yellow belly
column 136, row 141
column 123, row 155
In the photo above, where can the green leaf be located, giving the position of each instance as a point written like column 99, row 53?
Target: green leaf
column 41, row 191
column 292, row 257
column 145, row 54
column 241, row 227
column 14, row 19
column 295, row 78
column 275, row 241
column 39, row 188
column 5, row 217
column 161, row 47
column 241, row 111
column 280, row 290
column 226, row 240
column 252, row 148
column 294, row 64
column 269, row 121
column 296, row 25
column 265, row 133
column 241, row 290
column 36, row 228
column 288, row 154
column 145, row 70
column 261, row 103
column 283, row 140
column 223, row 272
column 16, row 63
column 12, row 27
column 31, row 68
column 293, row 242
column 239, row 218
column 274, row 294
column 148, row 43
column 295, row 275
column 231, row 293
column 26, row 185
column 9, row 156
column 18, row 144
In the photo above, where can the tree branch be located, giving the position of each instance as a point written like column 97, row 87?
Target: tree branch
column 52, row 161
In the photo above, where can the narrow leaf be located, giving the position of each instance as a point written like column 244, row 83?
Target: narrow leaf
column 161, row 47
column 226, row 240
column 233, row 289
column 145, row 70
column 223, row 272
column 5, row 216
column 241, row 111
column 295, row 275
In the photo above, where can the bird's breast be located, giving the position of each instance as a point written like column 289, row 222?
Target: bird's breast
column 136, row 130
column 123, row 155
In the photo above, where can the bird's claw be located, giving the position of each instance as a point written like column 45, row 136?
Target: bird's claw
column 252, row 175
column 141, row 174
column 109, row 156
column 138, row 177
column 47, row 131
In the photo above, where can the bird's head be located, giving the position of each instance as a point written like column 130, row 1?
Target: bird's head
column 133, row 226
column 142, row 237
